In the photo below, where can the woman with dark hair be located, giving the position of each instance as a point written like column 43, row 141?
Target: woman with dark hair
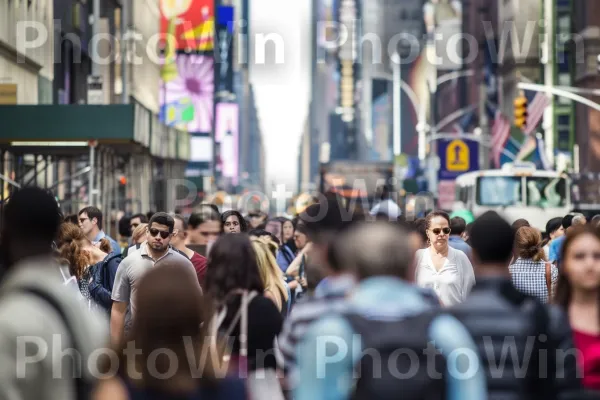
column 287, row 250
column 232, row 279
column 440, row 267
column 233, row 222
column 530, row 272
column 178, row 326
column 578, row 292
column 554, row 229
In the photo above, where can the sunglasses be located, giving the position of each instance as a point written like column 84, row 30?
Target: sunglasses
column 163, row 234
column 437, row 231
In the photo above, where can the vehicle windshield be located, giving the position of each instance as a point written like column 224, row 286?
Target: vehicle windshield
column 499, row 191
column 546, row 192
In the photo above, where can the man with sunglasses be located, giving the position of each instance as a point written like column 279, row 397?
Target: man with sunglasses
column 156, row 248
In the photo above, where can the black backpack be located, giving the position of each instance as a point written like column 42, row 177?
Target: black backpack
column 410, row 377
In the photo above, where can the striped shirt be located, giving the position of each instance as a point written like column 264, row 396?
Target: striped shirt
column 329, row 297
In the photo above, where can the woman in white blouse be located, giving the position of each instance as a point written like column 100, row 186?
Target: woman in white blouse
column 440, row 267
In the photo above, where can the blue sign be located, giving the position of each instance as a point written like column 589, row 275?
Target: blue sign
column 457, row 156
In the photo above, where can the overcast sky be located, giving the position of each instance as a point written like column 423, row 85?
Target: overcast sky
column 281, row 86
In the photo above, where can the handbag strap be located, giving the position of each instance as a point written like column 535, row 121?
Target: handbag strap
column 246, row 299
column 242, row 314
column 548, row 274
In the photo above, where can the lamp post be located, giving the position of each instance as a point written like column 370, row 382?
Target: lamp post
column 397, row 103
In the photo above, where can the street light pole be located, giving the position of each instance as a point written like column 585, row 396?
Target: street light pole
column 95, row 32
column 91, row 189
column 397, row 103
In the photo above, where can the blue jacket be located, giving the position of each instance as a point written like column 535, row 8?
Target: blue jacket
column 329, row 376
column 459, row 244
column 555, row 248
column 103, row 280
column 285, row 256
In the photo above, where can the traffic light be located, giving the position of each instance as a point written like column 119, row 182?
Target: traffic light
column 521, row 111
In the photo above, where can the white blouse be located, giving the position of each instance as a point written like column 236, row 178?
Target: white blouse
column 453, row 282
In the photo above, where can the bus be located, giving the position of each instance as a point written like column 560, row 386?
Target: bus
column 515, row 191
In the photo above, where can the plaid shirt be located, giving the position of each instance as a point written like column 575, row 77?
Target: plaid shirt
column 530, row 277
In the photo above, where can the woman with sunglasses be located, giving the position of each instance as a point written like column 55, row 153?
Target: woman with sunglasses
column 439, row 267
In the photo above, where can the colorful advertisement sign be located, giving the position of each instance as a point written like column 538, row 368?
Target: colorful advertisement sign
column 186, row 101
column 226, row 135
column 224, row 53
column 187, row 24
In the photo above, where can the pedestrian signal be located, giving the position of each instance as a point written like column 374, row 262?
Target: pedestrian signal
column 521, row 112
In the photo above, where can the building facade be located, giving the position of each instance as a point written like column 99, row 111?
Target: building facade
column 586, row 28
column 92, row 140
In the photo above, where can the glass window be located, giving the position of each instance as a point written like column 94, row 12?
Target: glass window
column 546, row 192
column 499, row 191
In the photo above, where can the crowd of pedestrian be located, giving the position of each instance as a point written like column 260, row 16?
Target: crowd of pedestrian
column 327, row 305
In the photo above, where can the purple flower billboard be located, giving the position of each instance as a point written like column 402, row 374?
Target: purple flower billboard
column 187, row 92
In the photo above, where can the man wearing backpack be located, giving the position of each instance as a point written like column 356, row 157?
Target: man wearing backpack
column 506, row 324
column 40, row 319
column 388, row 342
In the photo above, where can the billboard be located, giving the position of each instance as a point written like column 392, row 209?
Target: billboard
column 226, row 135
column 187, row 24
column 187, row 89
column 224, row 53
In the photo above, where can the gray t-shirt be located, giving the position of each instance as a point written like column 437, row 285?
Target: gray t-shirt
column 134, row 266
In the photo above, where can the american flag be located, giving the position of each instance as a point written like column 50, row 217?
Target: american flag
column 535, row 112
column 500, row 135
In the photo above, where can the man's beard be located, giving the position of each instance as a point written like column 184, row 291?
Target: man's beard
column 159, row 247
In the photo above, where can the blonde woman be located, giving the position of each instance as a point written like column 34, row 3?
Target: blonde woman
column 272, row 277
column 138, row 236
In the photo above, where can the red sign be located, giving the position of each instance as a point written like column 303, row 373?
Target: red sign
column 188, row 24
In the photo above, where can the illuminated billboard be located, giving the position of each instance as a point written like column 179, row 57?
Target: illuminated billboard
column 188, row 24
column 224, row 53
column 226, row 135
column 187, row 89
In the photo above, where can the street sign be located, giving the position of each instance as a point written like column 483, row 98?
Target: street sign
column 95, row 93
column 457, row 156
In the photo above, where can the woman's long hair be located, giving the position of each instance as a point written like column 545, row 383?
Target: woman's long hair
column 528, row 244
column 564, row 291
column 71, row 242
column 271, row 275
column 235, row 213
column 179, row 325
column 232, row 265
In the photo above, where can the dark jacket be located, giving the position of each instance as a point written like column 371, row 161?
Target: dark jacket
column 103, row 280
column 504, row 323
